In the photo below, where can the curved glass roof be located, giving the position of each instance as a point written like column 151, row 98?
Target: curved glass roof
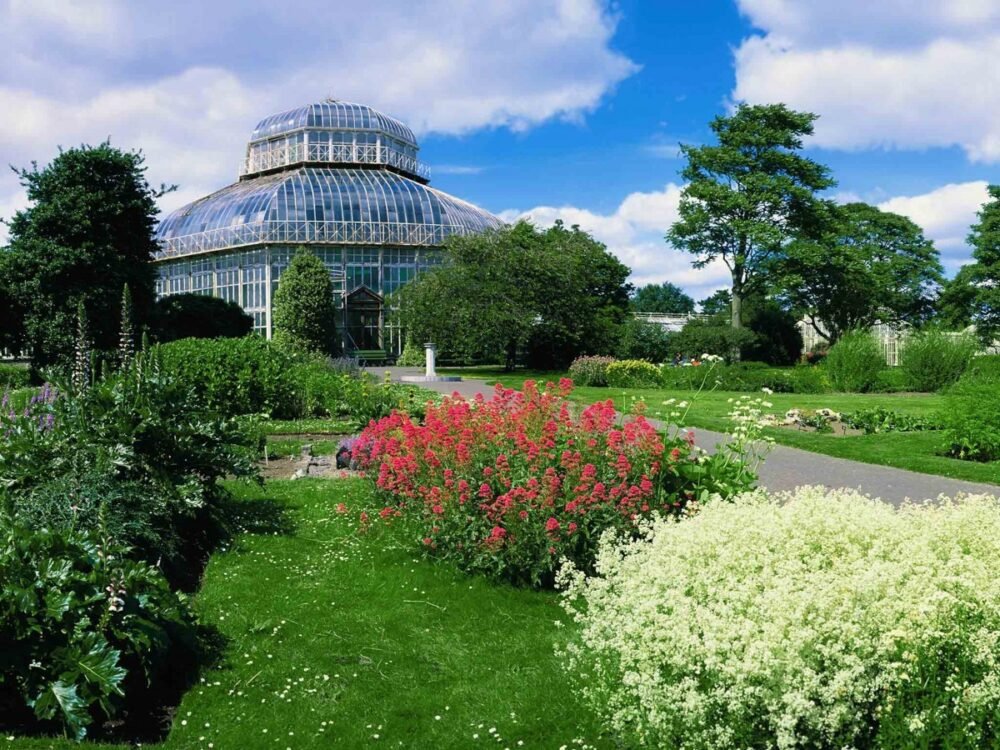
column 350, row 205
column 332, row 115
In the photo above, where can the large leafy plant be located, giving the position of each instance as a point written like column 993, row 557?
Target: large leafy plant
column 81, row 624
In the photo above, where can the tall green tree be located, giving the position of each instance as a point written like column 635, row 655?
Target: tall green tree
column 87, row 232
column 304, row 315
column 867, row 265
column 748, row 194
column 985, row 241
column 666, row 298
column 957, row 303
column 519, row 292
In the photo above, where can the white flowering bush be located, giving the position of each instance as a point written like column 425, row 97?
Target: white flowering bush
column 813, row 619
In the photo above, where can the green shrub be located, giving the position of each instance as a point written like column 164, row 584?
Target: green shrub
column 141, row 460
column 982, row 370
column 14, row 376
column 891, row 380
column 85, row 630
column 972, row 420
column 633, row 373
column 412, row 356
column 807, row 378
column 817, row 618
column 854, row 362
column 933, row 360
column 590, row 371
column 303, row 312
column 182, row 316
column 699, row 337
column 643, row 340
column 235, row 376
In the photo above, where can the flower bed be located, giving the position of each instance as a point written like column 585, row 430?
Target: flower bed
column 818, row 618
column 510, row 486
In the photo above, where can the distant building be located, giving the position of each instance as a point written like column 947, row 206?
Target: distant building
column 341, row 179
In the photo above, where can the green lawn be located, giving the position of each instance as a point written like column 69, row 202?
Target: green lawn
column 310, row 427
column 335, row 639
column 288, row 447
column 916, row 451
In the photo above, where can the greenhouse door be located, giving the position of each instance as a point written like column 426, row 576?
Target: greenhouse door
column 364, row 318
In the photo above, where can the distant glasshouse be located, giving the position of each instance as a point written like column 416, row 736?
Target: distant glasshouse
column 339, row 178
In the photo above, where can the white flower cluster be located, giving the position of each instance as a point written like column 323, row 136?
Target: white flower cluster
column 816, row 618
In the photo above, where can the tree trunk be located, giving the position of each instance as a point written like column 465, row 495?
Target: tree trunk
column 736, row 316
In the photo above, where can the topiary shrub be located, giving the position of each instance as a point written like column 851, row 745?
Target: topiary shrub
column 854, row 362
column 590, row 371
column 818, row 618
column 932, row 360
column 198, row 316
column 304, row 317
column 633, row 373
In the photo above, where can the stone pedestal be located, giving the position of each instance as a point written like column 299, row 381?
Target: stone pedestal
column 430, row 373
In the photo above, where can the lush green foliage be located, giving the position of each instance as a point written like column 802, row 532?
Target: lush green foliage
column 642, row 340
column 815, row 619
column 510, row 486
column 135, row 456
column 548, row 296
column 972, row 412
column 700, row 337
column 933, row 360
column 985, row 241
column 87, row 233
column 198, row 316
column 304, row 317
column 665, row 298
column 747, row 194
column 865, row 266
column 632, row 373
column 247, row 375
column 854, row 362
column 14, row 376
column 878, row 419
column 956, row 305
column 591, row 371
column 84, row 629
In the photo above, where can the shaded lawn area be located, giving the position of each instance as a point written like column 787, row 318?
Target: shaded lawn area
column 915, row 451
column 336, row 639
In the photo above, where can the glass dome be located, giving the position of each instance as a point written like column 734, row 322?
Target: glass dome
column 341, row 179
column 332, row 133
column 321, row 204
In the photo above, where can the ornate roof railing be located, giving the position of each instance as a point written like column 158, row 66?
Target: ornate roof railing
column 290, row 232
column 285, row 155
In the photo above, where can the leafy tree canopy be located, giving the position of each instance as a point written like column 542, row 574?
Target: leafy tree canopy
column 87, row 232
column 304, row 315
column 748, row 194
column 665, row 298
column 957, row 304
column 867, row 265
column 548, row 295
column 985, row 240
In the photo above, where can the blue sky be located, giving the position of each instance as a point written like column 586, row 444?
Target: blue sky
column 549, row 109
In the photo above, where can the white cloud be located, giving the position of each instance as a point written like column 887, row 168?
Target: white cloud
column 892, row 74
column 945, row 214
column 190, row 93
column 634, row 232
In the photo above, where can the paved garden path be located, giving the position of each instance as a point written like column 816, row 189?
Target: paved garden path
column 787, row 468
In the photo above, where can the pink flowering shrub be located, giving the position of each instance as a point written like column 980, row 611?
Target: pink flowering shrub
column 510, row 486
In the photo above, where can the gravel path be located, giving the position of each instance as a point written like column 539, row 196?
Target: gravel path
column 787, row 468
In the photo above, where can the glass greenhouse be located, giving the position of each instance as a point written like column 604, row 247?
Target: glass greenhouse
column 339, row 178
